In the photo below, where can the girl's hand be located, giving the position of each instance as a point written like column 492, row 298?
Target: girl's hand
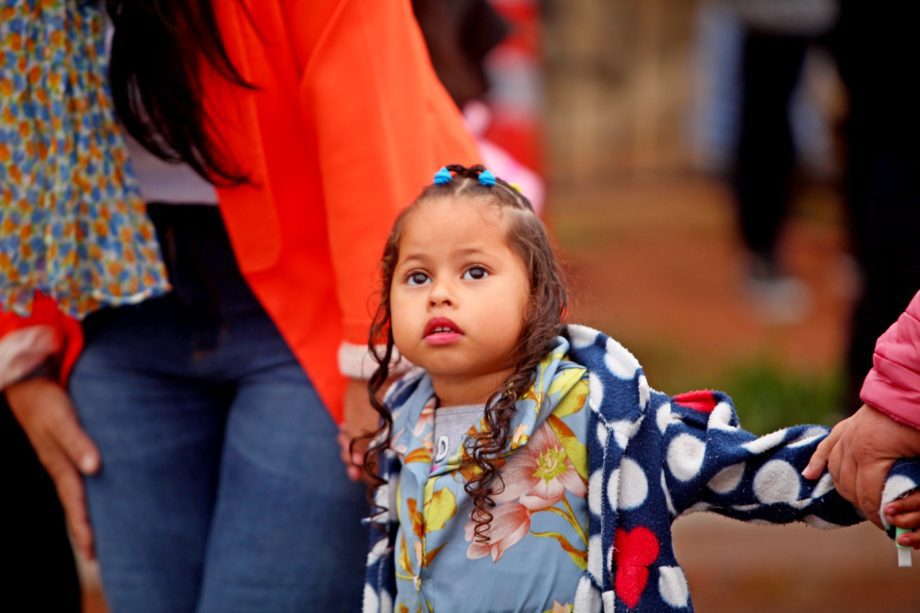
column 44, row 410
column 905, row 513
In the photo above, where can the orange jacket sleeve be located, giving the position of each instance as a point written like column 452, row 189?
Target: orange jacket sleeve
column 383, row 125
column 344, row 126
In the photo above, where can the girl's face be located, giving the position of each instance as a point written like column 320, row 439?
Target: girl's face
column 458, row 297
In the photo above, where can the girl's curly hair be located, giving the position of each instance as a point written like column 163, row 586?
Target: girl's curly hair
column 542, row 323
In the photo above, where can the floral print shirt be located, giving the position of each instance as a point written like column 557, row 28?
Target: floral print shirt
column 72, row 223
column 541, row 514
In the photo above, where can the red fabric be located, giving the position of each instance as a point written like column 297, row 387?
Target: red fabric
column 45, row 312
column 635, row 551
column 893, row 384
column 347, row 124
column 702, row 400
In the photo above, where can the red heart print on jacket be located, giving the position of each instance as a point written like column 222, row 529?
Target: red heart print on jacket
column 635, row 551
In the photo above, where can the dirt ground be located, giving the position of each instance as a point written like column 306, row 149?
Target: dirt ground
column 733, row 567
column 655, row 261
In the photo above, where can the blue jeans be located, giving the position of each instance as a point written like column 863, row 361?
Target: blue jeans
column 221, row 488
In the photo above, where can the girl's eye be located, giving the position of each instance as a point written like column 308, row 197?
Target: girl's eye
column 417, row 278
column 475, row 273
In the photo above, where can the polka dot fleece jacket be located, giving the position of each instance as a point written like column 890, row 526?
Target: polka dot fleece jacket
column 651, row 459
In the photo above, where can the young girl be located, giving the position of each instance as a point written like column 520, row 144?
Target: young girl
column 527, row 465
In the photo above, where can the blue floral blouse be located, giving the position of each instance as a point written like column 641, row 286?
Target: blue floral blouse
column 540, row 514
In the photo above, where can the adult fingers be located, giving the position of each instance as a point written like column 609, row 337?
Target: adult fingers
column 870, row 480
column 70, row 490
column 352, row 459
column 74, row 441
column 822, row 458
column 842, row 468
column 69, row 485
column 358, row 447
column 344, row 454
column 818, row 461
column 47, row 416
column 355, row 474
column 343, row 441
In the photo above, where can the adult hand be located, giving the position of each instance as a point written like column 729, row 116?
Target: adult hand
column 859, row 452
column 360, row 418
column 47, row 416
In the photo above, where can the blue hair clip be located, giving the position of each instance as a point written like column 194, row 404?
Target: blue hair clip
column 443, row 176
column 486, row 178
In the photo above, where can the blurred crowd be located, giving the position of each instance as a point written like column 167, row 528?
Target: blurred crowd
column 763, row 125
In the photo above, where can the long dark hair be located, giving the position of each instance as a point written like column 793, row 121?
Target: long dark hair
column 542, row 323
column 155, row 78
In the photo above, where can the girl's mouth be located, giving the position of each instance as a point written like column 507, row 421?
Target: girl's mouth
column 442, row 331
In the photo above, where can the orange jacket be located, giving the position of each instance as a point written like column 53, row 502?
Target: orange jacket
column 345, row 127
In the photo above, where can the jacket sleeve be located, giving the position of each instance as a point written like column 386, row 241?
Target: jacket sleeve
column 711, row 464
column 893, row 384
column 383, row 125
column 25, row 349
column 27, row 341
column 380, row 571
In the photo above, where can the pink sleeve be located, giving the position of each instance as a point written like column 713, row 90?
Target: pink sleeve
column 893, row 384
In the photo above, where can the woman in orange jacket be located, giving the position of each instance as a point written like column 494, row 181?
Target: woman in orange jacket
column 205, row 415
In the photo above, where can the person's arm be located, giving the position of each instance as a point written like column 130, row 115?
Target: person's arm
column 360, row 418
column 861, row 449
column 41, row 405
column 383, row 125
column 893, row 384
column 43, row 409
column 714, row 465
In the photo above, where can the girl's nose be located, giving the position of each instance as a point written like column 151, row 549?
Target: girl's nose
column 440, row 295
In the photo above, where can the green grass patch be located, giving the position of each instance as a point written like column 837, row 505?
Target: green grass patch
column 768, row 396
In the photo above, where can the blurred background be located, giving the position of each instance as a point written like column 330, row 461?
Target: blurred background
column 622, row 120
column 643, row 118
column 695, row 162
column 691, row 158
